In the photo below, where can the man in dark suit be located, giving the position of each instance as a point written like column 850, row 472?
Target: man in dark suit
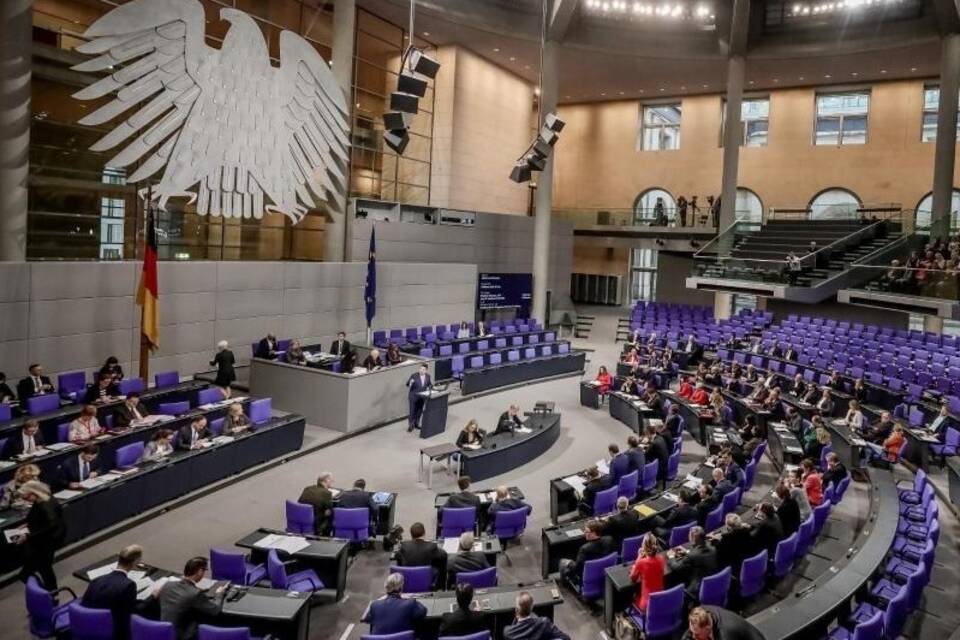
column 595, row 483
column 102, row 391
column 267, row 348
column 466, row 559
column 769, row 531
column 712, row 623
column 185, row 605
column 721, row 486
column 672, row 423
column 340, row 346
column 130, row 411
column 529, row 626
column 734, row 544
column 509, row 420
column 417, row 383
column 597, row 545
column 790, row 354
column 320, row 498
column 731, row 470
column 625, row 523
column 709, row 500
column 619, row 464
column 835, row 472
column 658, row 450
column 463, row 621
column 356, row 498
column 36, row 384
column 504, row 502
column 666, row 435
column 27, row 441
column 700, row 561
column 194, row 434
column 418, row 552
column 463, row 498
column 635, row 454
column 680, row 515
column 789, row 511
column 83, row 466
column 116, row 592
column 880, row 430
column 393, row 613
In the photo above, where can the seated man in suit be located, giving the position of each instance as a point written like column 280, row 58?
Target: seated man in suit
column 267, row 348
column 418, row 552
column 708, row 623
column 619, row 463
column 340, row 346
column 597, row 545
column 680, row 515
column 130, row 412
column 392, row 613
column 635, row 454
column 117, row 592
column 699, row 561
column 625, row 523
column 36, row 384
column 185, row 605
column 835, row 472
column 788, row 511
column 529, row 626
column 104, row 390
column 356, row 498
column 880, row 430
column 721, row 486
column 731, row 470
column 193, row 435
column 941, row 422
column 77, row 468
column 734, row 544
column 769, row 532
column 465, row 559
column 504, row 502
column 320, row 498
column 509, row 420
column 28, row 440
column 595, row 482
column 708, row 501
column 658, row 450
column 463, row 621
column 464, row 497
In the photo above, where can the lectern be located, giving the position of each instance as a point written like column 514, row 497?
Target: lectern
column 434, row 419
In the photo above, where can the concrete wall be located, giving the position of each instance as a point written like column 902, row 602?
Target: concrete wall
column 70, row 316
column 497, row 243
column 672, row 272
column 838, row 311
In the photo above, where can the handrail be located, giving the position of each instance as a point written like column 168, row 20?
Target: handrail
column 844, row 241
column 720, row 236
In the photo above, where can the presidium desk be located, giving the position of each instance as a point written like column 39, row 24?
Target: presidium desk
column 503, row 452
column 344, row 402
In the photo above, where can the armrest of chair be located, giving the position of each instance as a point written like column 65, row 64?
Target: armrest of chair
column 64, row 589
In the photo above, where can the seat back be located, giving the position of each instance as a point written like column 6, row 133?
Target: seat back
column 870, row 629
column 415, row 579
column 714, row 519
column 352, row 524
column 784, row 554
column 276, row 570
column 482, row 579
column 605, row 501
column 299, row 517
column 630, row 548
column 173, row 408
column 731, row 500
column 480, row 635
column 144, row 629
column 216, row 426
column 649, row 480
column 42, row 404
column 131, row 385
column 209, row 396
column 40, row 606
column 627, row 485
column 673, row 463
column 752, row 574
column 401, row 635
column 496, row 358
column 680, row 535
column 71, row 384
column 129, row 455
column 664, row 612
column 593, row 576
column 210, row 632
column 166, row 379
column 508, row 524
column 805, row 536
column 513, row 355
column 227, row 565
column 90, row 624
column 454, row 521
column 820, row 514
column 260, row 410
column 715, row 588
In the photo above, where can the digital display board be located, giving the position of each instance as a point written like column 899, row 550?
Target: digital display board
column 499, row 290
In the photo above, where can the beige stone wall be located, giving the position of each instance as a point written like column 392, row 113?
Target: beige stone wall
column 598, row 165
column 483, row 122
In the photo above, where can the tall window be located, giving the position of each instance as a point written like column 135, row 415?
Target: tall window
column 950, row 327
column 835, row 204
column 645, row 206
column 643, row 277
column 749, row 207
column 931, row 100
column 743, row 301
column 925, row 211
column 842, row 118
column 754, row 122
column 660, row 127
column 111, row 217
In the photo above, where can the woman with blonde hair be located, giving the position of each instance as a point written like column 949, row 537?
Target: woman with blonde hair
column 224, row 361
column 648, row 570
column 10, row 493
column 236, row 422
column 45, row 533
column 470, row 437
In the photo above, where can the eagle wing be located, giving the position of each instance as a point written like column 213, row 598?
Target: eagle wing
column 316, row 117
column 160, row 44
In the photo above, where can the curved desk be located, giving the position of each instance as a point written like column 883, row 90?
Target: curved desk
column 808, row 612
column 506, row 451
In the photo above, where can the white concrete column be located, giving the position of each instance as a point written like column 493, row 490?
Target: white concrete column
column 344, row 33
column 732, row 137
column 722, row 305
column 16, row 47
column 946, row 145
column 544, row 196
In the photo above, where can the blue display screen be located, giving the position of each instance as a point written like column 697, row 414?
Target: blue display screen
column 499, row 290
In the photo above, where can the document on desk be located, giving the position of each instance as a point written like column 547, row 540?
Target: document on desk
column 451, row 545
column 60, row 446
column 523, row 430
column 93, row 574
column 66, row 494
column 290, row 544
column 36, row 453
column 223, row 439
column 603, row 467
column 576, row 482
column 645, row 510
column 654, row 422
column 91, row 483
column 12, row 534
column 692, row 482
column 575, row 532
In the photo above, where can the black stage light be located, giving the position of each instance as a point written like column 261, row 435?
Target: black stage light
column 409, row 83
column 423, row 65
column 541, row 148
column 403, row 102
column 537, row 163
column 397, row 120
column 521, row 172
column 398, row 139
column 549, row 135
column 553, row 123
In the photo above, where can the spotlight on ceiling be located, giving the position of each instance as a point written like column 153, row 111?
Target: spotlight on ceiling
column 535, row 157
column 405, row 101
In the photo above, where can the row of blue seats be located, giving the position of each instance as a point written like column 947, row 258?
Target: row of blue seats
column 459, row 364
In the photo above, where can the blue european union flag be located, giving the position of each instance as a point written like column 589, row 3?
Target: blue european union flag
column 370, row 291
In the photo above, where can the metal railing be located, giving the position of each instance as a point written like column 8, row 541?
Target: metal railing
column 624, row 217
column 880, row 211
column 879, row 273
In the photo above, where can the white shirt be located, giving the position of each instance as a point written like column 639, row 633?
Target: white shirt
column 37, row 384
column 29, row 444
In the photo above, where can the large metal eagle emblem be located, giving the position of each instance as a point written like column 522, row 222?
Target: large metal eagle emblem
column 230, row 131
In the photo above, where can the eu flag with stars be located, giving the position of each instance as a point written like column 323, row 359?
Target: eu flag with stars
column 370, row 291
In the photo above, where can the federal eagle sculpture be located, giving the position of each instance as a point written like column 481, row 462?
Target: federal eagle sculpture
column 230, row 131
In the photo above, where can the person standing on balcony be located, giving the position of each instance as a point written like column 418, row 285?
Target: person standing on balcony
column 682, row 210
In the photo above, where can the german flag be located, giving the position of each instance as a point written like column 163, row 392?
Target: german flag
column 148, row 295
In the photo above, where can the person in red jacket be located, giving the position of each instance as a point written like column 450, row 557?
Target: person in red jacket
column 812, row 483
column 700, row 395
column 648, row 570
column 686, row 388
column 604, row 380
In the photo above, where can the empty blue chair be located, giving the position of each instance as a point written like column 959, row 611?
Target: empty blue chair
column 210, row 632
column 820, row 514
column 871, row 629
column 500, row 343
column 513, row 355
column 129, row 455
column 783, row 556
column 173, row 408
column 426, row 352
column 631, row 548
column 42, row 404
column 90, row 624
column 731, row 500
column 63, row 432
column 680, row 535
column 483, row 345
column 216, row 426
column 594, row 572
column 714, row 519
column 380, row 338
column 510, row 524
column 166, row 379
column 144, row 629
column 454, row 521
column 563, row 348
column 648, row 482
column 476, row 362
column 306, row 580
column 352, row 524
column 456, row 367
column 260, row 410
column 753, row 573
column 805, row 535
column 673, row 464
column 47, row 618
column 131, row 385
column 714, row 589
column 529, row 353
column 627, row 485
column 299, row 517
column 605, row 501
column 446, row 350
column 482, row 579
column 664, row 613
column 71, row 385
column 5, row 413
column 415, row 579
column 496, row 358
column 401, row 635
column 227, row 565
column 463, row 347
column 210, row 395
column 515, row 341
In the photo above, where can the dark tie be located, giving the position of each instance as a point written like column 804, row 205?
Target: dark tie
column 37, row 385
column 84, row 470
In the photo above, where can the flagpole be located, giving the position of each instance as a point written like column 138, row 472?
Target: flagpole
column 144, row 343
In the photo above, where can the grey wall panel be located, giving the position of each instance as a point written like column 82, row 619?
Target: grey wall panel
column 243, row 276
column 56, row 280
column 249, row 302
column 186, row 338
column 83, row 351
column 14, row 281
column 185, row 307
column 299, row 301
column 14, row 319
column 13, row 355
column 79, row 316
column 311, row 275
column 186, row 277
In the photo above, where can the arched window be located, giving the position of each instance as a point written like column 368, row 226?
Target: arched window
column 645, row 204
column 834, row 203
column 925, row 211
column 749, row 207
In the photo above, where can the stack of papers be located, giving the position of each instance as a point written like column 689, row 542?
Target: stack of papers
column 603, row 467
column 576, row 482
column 152, row 586
column 576, row 532
column 91, row 483
column 60, row 446
column 523, row 430
column 451, row 545
column 93, row 574
column 36, row 453
column 223, row 439
column 66, row 494
column 290, row 544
